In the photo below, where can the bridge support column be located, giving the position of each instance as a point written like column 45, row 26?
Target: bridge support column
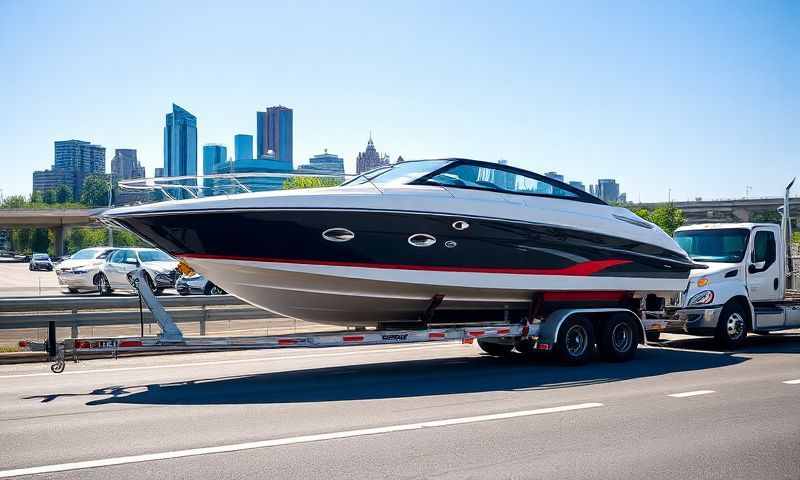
column 58, row 248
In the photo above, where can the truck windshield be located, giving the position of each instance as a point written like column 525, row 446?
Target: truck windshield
column 724, row 245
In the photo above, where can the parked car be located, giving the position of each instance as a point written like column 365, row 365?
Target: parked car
column 196, row 284
column 82, row 270
column 40, row 261
column 161, row 269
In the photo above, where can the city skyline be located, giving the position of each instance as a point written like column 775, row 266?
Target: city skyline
column 659, row 98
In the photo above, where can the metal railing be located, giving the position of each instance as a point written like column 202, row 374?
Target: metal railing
column 195, row 186
column 75, row 312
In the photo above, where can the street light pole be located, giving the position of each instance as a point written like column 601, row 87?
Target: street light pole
column 110, row 230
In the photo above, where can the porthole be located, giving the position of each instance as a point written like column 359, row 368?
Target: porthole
column 338, row 235
column 421, row 240
column 460, row 225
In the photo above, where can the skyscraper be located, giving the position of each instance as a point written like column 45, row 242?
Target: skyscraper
column 125, row 165
column 578, row 185
column 180, row 143
column 370, row 158
column 213, row 155
column 324, row 162
column 243, row 147
column 274, row 132
column 74, row 161
column 607, row 189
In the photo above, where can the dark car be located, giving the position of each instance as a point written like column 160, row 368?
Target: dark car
column 40, row 261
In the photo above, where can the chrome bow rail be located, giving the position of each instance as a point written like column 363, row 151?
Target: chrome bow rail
column 224, row 184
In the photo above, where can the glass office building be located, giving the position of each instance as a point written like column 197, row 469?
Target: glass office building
column 180, row 143
column 274, row 134
column 243, row 147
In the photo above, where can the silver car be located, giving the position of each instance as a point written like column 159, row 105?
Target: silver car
column 161, row 269
column 82, row 270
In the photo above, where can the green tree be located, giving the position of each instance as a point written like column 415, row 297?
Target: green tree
column 36, row 197
column 63, row 194
column 667, row 217
column 309, row 182
column 49, row 196
column 14, row 201
column 40, row 241
column 21, row 239
column 95, row 191
column 765, row 216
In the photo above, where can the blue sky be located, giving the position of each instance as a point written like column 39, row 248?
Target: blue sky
column 702, row 98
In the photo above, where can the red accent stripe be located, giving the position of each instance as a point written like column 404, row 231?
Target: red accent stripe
column 287, row 341
column 583, row 296
column 130, row 343
column 436, row 335
column 353, row 338
column 579, row 269
column 476, row 333
column 503, row 331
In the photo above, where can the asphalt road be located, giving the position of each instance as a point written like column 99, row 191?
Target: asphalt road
column 409, row 411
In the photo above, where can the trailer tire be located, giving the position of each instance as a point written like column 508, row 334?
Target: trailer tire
column 732, row 326
column 575, row 342
column 495, row 349
column 618, row 338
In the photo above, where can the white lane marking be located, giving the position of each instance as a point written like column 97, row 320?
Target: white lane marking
column 287, row 441
column 792, row 382
column 690, row 394
column 229, row 362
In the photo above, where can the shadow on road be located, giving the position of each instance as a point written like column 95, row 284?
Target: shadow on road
column 756, row 344
column 413, row 378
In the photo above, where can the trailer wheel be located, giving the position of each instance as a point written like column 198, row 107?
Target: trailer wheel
column 618, row 338
column 575, row 342
column 732, row 326
column 495, row 349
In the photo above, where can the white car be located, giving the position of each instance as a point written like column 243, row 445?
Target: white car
column 82, row 270
column 161, row 269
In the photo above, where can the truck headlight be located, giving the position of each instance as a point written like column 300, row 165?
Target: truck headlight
column 703, row 298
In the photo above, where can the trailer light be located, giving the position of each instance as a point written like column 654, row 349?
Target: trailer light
column 703, row 282
column 702, row 298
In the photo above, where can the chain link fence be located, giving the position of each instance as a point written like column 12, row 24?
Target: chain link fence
column 795, row 249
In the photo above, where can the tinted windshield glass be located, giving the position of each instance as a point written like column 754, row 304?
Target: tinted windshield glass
column 723, row 245
column 40, row 256
column 154, row 256
column 86, row 254
column 399, row 174
column 468, row 175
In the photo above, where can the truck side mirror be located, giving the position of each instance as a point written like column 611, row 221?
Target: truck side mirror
column 757, row 266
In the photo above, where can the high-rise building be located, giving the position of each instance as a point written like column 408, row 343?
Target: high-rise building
column 74, row 161
column 370, row 158
column 159, row 172
column 125, row 165
column 274, row 133
column 213, row 154
column 324, row 162
column 180, row 143
column 243, row 147
column 607, row 189
column 503, row 179
column 578, row 185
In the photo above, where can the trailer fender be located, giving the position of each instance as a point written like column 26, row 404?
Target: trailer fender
column 549, row 328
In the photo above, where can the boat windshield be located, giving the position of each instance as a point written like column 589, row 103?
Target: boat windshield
column 724, row 245
column 398, row 174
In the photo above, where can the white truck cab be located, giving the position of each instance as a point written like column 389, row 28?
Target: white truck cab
column 746, row 287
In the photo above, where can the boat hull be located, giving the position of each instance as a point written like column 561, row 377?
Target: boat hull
column 281, row 260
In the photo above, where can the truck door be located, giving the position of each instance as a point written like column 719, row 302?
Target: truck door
column 764, row 279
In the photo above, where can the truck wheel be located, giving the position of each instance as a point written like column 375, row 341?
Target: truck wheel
column 732, row 327
column 72, row 290
column 495, row 349
column 618, row 339
column 575, row 342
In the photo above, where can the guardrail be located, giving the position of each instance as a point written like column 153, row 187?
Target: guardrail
column 75, row 312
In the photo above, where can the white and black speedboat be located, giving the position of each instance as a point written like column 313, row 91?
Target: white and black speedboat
column 472, row 239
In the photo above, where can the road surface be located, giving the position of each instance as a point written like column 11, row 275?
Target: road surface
column 409, row 411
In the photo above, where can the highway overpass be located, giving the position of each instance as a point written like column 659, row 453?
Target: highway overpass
column 721, row 211
column 57, row 219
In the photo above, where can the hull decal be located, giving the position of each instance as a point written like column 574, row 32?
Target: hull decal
column 581, row 269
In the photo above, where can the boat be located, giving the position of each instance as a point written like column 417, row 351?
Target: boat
column 423, row 241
